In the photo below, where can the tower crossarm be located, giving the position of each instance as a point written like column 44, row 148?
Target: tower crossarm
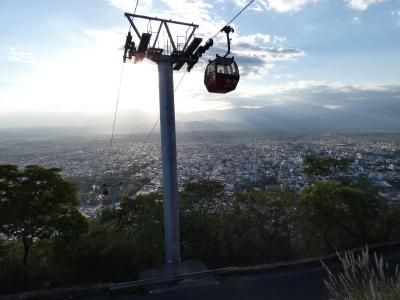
column 132, row 16
column 179, row 54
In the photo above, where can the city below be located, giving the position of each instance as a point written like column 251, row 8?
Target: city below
column 239, row 160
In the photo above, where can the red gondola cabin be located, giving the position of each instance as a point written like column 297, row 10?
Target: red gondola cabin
column 221, row 75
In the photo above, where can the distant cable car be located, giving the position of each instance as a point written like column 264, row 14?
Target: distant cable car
column 222, row 74
column 105, row 191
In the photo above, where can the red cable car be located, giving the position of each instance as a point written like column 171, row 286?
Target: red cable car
column 222, row 74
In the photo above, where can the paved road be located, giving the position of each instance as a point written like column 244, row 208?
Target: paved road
column 306, row 284
column 298, row 285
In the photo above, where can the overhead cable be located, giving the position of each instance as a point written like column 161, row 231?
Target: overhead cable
column 134, row 12
column 237, row 15
column 115, row 113
column 116, row 105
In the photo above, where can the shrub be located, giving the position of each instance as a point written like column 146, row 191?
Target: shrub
column 362, row 278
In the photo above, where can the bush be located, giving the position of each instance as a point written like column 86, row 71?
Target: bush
column 12, row 271
column 102, row 254
column 339, row 216
column 363, row 279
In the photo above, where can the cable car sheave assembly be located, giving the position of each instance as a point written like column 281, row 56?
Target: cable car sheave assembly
column 221, row 74
column 178, row 56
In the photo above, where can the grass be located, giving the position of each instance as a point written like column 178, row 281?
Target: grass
column 364, row 277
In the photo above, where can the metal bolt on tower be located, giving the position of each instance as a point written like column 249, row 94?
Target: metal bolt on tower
column 171, row 56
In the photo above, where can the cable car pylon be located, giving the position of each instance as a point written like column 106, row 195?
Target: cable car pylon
column 168, row 58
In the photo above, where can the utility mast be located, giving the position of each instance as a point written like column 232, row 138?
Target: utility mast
column 171, row 56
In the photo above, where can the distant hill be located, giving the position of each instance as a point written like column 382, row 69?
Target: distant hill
column 288, row 117
column 294, row 117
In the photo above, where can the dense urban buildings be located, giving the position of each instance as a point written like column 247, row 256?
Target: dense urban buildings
column 237, row 160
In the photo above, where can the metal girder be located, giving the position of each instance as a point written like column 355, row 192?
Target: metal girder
column 134, row 28
column 131, row 16
column 158, row 33
column 188, row 39
column 171, row 39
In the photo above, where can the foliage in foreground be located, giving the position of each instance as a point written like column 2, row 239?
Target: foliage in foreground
column 338, row 215
column 252, row 227
column 363, row 279
column 36, row 205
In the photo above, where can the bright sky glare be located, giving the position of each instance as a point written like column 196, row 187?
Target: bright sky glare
column 60, row 57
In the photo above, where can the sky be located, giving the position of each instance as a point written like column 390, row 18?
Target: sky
column 61, row 61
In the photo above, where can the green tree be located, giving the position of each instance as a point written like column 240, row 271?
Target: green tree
column 37, row 204
column 140, row 219
column 327, row 167
column 342, row 216
column 202, row 206
column 262, row 224
column 104, row 253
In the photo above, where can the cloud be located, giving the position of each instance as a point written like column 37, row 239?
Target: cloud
column 84, row 79
column 362, row 4
column 311, row 105
column 257, row 61
column 281, row 6
column 332, row 107
column 260, row 38
column 323, row 95
column 17, row 55
column 396, row 14
column 254, row 59
column 356, row 20
column 286, row 75
column 129, row 5
column 256, row 53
